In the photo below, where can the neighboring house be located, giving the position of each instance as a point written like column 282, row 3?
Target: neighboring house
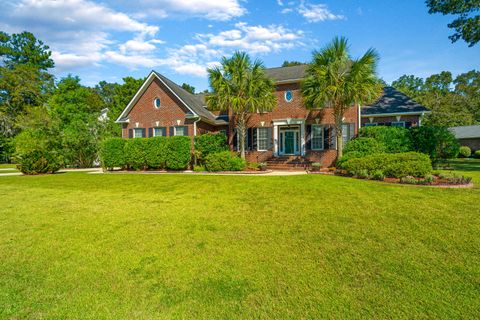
column 468, row 136
column 393, row 108
column 289, row 135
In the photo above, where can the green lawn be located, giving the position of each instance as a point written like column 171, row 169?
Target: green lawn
column 7, row 165
column 83, row 246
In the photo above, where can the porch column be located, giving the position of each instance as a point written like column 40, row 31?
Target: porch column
column 275, row 140
column 302, row 138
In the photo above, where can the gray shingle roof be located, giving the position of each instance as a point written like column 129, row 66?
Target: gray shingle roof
column 395, row 102
column 286, row 73
column 466, row 132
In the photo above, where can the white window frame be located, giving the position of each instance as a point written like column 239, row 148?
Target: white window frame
column 285, row 96
column 258, row 139
column 158, row 128
column 135, row 132
column 322, row 137
column 175, row 131
column 155, row 105
column 400, row 124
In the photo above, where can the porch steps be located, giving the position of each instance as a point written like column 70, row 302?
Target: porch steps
column 295, row 163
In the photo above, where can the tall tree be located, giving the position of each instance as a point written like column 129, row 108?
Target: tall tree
column 333, row 79
column 287, row 63
column 410, row 85
column 241, row 87
column 467, row 23
column 188, row 87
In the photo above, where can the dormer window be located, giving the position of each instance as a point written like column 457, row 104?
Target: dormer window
column 288, row 96
column 156, row 102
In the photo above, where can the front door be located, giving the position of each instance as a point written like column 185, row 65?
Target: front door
column 289, row 144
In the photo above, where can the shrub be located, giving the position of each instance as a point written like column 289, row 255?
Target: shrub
column 38, row 161
column 394, row 139
column 465, row 152
column 391, row 164
column 112, row 153
column 262, row 166
column 437, row 142
column 178, row 153
column 455, row 178
column 253, row 165
column 224, row 161
column 155, row 154
column 135, row 151
column 362, row 174
column 198, row 168
column 408, row 180
column 361, row 147
column 316, row 166
column 208, row 143
column 378, row 175
column 429, row 179
column 477, row 154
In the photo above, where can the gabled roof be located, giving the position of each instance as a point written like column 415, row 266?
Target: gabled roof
column 194, row 103
column 287, row 74
column 466, row 132
column 393, row 102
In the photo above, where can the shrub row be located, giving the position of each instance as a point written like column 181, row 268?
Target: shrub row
column 209, row 143
column 394, row 139
column 140, row 153
column 395, row 165
column 224, row 161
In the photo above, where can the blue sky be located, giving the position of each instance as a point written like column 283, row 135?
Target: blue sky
column 108, row 40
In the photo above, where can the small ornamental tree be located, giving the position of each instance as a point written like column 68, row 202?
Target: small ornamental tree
column 241, row 87
column 438, row 142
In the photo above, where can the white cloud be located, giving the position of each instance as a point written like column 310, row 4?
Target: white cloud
column 317, row 13
column 210, row 9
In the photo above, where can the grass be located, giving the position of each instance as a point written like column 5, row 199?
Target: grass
column 82, row 246
column 7, row 166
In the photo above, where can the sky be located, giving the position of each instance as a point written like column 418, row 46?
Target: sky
column 108, row 40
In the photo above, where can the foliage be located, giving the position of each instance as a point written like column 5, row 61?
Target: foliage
column 391, row 164
column 199, row 168
column 287, row 63
column 437, row 142
column 242, row 87
column 394, row 139
column 465, row 152
column 156, row 154
column 38, row 162
column 135, row 151
column 178, row 153
column 454, row 178
column 334, row 79
column 224, row 161
column 408, row 180
column 378, row 175
column 316, row 166
column 466, row 25
column 429, row 179
column 188, row 88
column 112, row 153
column 6, row 149
column 364, row 146
column 477, row 154
column 208, row 143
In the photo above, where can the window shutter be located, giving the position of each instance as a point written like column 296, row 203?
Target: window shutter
column 248, row 144
column 352, row 131
column 171, row 132
column 130, row 133
column 164, row 131
column 254, row 139
column 326, row 137
column 186, row 130
column 308, row 139
column 235, row 140
column 150, row 132
column 144, row 133
column 270, row 138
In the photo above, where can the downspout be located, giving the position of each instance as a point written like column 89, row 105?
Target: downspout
column 359, row 117
column 194, row 135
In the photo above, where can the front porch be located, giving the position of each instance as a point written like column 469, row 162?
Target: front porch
column 289, row 137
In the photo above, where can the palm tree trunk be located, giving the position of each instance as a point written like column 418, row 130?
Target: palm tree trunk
column 339, row 130
column 241, row 128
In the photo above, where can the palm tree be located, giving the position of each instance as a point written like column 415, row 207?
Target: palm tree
column 240, row 87
column 335, row 80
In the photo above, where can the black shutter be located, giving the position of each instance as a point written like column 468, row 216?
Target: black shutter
column 309, row 137
column 254, row 138
column 186, row 130
column 150, row 132
column 270, row 138
column 130, row 133
column 408, row 124
column 144, row 133
column 171, row 132
column 248, row 144
column 164, row 131
column 235, row 140
column 326, row 137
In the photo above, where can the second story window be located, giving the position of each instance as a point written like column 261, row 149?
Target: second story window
column 156, row 102
column 288, row 96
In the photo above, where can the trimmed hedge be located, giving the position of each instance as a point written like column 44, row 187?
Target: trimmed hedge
column 135, row 151
column 224, row 161
column 155, row 155
column 465, row 152
column 111, row 153
column 38, row 162
column 361, row 147
column 394, row 165
column 208, row 143
column 178, row 153
column 395, row 139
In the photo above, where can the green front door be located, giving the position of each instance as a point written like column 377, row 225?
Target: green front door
column 289, row 142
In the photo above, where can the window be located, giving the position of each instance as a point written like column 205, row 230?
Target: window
column 138, row 133
column 262, row 139
column 180, row 131
column 288, row 96
column 398, row 124
column 316, row 138
column 156, row 102
column 372, row 124
column 347, row 132
column 159, row 132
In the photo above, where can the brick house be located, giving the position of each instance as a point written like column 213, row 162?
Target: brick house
column 289, row 135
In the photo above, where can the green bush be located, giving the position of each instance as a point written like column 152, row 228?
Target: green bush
column 395, row 139
column 199, row 168
column 112, row 153
column 477, row 154
column 135, row 151
column 438, row 142
column 208, row 143
column 178, row 153
column 465, row 152
column 408, row 180
column 378, row 175
column 391, row 164
column 361, row 147
column 155, row 153
column 224, row 161
column 38, row 162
